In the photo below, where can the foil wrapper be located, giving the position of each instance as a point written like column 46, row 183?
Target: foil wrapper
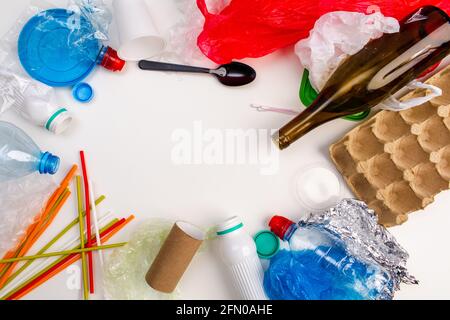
column 357, row 226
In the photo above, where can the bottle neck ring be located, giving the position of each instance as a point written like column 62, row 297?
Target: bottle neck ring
column 230, row 230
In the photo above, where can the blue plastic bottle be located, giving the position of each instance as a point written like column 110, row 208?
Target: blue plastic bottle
column 20, row 156
column 318, row 267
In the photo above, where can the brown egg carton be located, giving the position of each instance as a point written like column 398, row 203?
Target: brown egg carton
column 397, row 162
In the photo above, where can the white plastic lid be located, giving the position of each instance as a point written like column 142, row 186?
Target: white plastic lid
column 59, row 122
column 318, row 187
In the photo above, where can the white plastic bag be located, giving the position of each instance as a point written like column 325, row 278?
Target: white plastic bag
column 393, row 104
column 21, row 201
column 335, row 37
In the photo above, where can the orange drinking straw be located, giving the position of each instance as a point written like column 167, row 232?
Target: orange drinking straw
column 108, row 234
column 54, row 265
column 88, row 222
column 63, row 185
column 34, row 236
column 50, row 203
column 26, row 241
column 29, row 238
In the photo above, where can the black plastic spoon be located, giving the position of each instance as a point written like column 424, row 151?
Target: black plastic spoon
column 233, row 74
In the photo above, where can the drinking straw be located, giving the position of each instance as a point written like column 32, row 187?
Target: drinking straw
column 88, row 221
column 8, row 269
column 42, row 265
column 52, row 242
column 64, row 253
column 83, row 255
column 15, row 252
column 46, row 269
column 64, row 263
column 50, row 204
column 37, row 232
column 63, row 185
column 94, row 214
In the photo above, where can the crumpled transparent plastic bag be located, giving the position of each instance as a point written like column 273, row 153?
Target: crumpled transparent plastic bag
column 335, row 37
column 21, row 202
column 15, row 88
column 98, row 14
column 12, row 88
column 255, row 28
column 181, row 38
column 125, row 268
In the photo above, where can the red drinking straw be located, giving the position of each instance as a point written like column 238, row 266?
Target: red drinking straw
column 88, row 223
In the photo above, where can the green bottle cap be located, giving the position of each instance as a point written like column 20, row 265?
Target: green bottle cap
column 267, row 244
column 308, row 94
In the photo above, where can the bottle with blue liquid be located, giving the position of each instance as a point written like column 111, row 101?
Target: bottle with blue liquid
column 318, row 267
column 20, row 156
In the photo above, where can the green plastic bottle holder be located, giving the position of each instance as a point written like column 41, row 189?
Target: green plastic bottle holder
column 308, row 95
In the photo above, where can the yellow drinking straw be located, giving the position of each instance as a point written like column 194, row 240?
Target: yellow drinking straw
column 63, row 253
column 83, row 255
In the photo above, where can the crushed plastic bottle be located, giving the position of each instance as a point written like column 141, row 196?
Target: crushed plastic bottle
column 20, row 156
column 318, row 267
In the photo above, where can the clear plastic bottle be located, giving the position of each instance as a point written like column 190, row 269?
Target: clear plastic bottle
column 20, row 156
column 318, row 267
column 238, row 252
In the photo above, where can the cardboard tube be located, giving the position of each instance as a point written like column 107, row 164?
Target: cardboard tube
column 174, row 257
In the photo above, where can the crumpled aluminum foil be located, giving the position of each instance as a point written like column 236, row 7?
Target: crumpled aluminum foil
column 357, row 226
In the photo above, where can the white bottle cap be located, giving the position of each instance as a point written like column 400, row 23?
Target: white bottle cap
column 59, row 122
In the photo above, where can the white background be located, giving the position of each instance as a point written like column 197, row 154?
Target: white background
column 126, row 133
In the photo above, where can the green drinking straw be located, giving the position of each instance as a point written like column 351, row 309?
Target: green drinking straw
column 21, row 286
column 83, row 255
column 51, row 243
column 63, row 253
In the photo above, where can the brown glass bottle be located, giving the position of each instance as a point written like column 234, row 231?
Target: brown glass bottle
column 379, row 70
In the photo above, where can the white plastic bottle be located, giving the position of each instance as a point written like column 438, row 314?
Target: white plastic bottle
column 238, row 251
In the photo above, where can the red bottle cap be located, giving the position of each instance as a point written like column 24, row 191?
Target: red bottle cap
column 111, row 60
column 280, row 225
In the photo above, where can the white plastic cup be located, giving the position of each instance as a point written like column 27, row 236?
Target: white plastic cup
column 165, row 15
column 138, row 35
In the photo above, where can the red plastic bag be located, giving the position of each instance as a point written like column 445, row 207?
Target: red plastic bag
column 255, row 28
